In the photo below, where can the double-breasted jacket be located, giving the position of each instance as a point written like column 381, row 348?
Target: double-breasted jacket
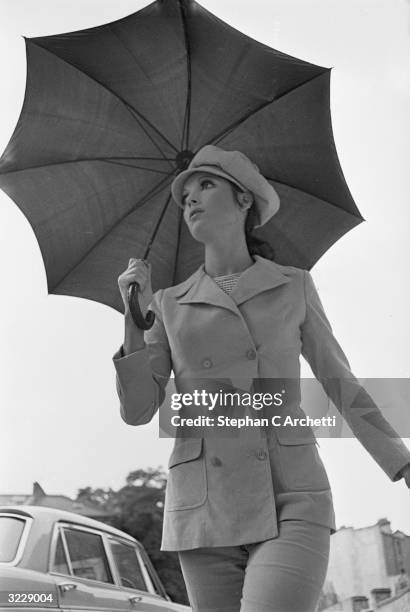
column 231, row 491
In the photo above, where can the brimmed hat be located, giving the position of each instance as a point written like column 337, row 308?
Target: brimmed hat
column 237, row 168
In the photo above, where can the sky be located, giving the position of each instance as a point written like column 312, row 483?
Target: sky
column 60, row 422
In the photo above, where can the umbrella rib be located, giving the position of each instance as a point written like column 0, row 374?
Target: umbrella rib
column 187, row 116
column 149, row 123
column 359, row 216
column 112, row 160
column 242, row 119
column 135, row 114
column 156, row 228
column 143, row 158
column 138, row 118
column 151, row 193
column 180, row 217
column 124, row 165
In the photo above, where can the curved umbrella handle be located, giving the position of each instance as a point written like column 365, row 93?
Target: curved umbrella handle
column 135, row 310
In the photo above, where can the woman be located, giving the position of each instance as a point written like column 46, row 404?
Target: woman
column 251, row 516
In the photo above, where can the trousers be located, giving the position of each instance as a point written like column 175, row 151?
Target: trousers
column 284, row 574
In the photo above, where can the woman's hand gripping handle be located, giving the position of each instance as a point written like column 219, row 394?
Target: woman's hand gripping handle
column 136, row 292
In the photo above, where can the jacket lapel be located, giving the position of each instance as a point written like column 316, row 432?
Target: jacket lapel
column 202, row 289
column 262, row 276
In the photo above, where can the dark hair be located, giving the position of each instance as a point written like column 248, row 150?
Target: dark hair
column 255, row 245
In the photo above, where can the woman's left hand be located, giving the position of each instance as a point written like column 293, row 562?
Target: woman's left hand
column 405, row 472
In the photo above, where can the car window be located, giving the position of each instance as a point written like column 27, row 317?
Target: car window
column 128, row 567
column 11, row 530
column 156, row 584
column 60, row 560
column 87, row 555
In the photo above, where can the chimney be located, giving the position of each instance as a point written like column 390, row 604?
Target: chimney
column 38, row 493
column 379, row 595
column 384, row 525
column 360, row 602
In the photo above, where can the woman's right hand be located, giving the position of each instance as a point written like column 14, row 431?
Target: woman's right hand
column 137, row 272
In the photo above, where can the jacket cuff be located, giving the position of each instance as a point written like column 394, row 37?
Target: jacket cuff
column 121, row 355
column 399, row 474
column 133, row 367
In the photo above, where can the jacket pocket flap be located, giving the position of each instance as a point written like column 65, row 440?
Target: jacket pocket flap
column 293, row 436
column 185, row 450
column 296, row 441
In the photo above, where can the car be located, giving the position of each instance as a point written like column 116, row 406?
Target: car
column 52, row 559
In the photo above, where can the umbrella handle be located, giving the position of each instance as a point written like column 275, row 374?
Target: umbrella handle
column 135, row 310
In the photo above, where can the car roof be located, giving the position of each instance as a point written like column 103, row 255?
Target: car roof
column 51, row 515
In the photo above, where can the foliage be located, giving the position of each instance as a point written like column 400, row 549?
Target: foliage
column 137, row 508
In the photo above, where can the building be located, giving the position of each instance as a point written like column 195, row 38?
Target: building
column 379, row 603
column 40, row 498
column 369, row 569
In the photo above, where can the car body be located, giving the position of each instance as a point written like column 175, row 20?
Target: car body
column 52, row 559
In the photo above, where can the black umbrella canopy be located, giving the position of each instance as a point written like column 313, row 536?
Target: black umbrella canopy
column 111, row 114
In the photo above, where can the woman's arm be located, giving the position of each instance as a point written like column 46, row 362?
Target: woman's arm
column 332, row 369
column 143, row 369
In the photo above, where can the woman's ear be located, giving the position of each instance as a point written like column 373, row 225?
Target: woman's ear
column 245, row 199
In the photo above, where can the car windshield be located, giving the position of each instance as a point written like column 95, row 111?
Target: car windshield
column 11, row 529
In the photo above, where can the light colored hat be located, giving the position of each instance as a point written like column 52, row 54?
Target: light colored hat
column 237, row 168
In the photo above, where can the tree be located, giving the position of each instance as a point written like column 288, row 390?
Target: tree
column 138, row 508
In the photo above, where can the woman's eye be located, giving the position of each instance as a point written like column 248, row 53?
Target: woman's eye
column 203, row 184
column 206, row 183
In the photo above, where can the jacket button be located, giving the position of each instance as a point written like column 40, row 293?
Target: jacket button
column 251, row 354
column 261, row 454
column 216, row 461
column 207, row 363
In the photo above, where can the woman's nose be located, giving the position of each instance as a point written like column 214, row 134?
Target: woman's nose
column 192, row 200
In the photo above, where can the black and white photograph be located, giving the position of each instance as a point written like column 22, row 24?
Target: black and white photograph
column 204, row 331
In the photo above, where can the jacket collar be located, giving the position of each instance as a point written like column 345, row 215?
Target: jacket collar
column 201, row 288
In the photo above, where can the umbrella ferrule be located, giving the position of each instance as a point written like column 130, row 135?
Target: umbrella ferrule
column 182, row 160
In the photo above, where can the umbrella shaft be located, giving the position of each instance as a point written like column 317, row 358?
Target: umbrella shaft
column 147, row 250
column 156, row 228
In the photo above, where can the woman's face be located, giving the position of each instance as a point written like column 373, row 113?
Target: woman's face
column 210, row 207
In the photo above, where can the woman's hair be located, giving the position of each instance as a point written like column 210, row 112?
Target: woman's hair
column 255, row 245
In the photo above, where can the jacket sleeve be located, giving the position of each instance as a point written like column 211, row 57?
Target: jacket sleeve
column 331, row 367
column 142, row 376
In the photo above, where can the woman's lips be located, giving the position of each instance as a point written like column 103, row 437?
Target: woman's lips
column 194, row 213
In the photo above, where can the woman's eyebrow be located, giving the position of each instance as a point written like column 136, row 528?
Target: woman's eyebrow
column 185, row 190
column 200, row 178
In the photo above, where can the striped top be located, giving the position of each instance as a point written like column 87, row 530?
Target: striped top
column 228, row 282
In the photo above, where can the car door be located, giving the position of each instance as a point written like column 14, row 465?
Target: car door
column 135, row 578
column 83, row 573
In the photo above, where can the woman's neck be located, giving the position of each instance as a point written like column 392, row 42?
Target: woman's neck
column 227, row 258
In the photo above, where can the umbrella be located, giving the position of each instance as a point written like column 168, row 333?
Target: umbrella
column 111, row 114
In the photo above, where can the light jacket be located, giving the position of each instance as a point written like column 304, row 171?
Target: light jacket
column 233, row 491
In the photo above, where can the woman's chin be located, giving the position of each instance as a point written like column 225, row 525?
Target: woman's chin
column 200, row 234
